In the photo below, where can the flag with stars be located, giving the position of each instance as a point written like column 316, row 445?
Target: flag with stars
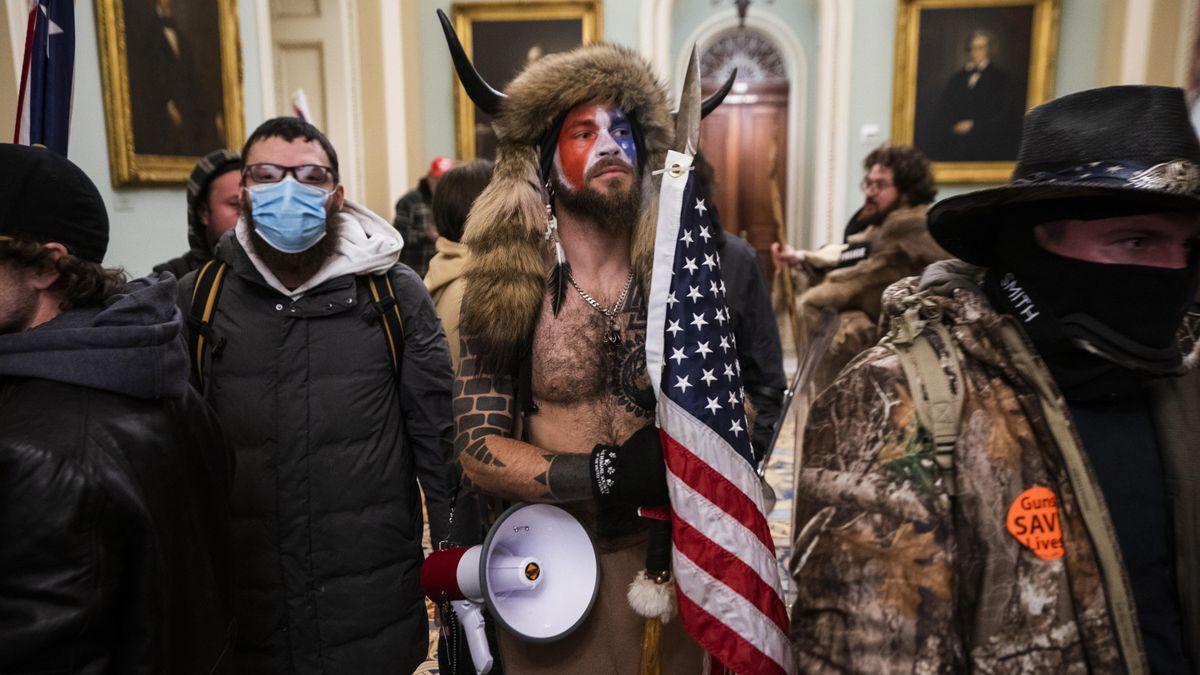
column 723, row 557
column 47, row 73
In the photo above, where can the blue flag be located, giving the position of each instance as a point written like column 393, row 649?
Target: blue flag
column 44, row 112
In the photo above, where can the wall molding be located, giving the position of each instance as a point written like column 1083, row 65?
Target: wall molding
column 796, row 62
column 654, row 35
column 266, row 62
column 832, row 133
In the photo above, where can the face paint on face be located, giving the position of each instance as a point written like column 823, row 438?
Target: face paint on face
column 595, row 137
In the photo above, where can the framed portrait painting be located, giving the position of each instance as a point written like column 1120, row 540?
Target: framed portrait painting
column 171, row 72
column 501, row 38
column 966, row 72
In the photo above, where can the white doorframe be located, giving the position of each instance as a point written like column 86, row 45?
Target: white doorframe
column 795, row 64
column 832, row 134
column 266, row 61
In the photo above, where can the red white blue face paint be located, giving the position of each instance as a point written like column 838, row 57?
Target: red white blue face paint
column 596, row 140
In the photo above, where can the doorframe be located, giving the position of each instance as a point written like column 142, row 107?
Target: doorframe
column 795, row 63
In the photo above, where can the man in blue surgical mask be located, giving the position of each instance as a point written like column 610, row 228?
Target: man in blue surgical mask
column 329, row 371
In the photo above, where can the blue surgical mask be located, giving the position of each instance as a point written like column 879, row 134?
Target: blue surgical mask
column 288, row 215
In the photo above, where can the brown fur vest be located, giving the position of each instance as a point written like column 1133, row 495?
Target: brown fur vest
column 506, row 275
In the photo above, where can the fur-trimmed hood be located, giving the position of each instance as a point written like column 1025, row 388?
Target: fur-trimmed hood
column 506, row 274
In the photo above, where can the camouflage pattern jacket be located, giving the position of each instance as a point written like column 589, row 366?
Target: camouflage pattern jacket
column 903, row 568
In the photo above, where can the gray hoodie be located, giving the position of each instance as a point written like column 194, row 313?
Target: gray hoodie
column 131, row 345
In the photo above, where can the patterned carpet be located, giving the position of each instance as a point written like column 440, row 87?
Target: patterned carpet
column 779, row 475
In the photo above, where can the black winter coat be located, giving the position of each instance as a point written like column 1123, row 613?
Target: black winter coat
column 326, row 511
column 759, row 351
column 114, row 523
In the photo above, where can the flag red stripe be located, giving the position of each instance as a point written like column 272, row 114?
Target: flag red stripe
column 704, row 479
column 30, row 28
column 732, row 572
column 724, row 644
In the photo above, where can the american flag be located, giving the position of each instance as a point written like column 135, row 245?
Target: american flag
column 723, row 558
column 47, row 74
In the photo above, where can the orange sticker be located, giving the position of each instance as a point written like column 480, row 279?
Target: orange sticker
column 1033, row 519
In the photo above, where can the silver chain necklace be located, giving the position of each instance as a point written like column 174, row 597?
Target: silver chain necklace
column 613, row 336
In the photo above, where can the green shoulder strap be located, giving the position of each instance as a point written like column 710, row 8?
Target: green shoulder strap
column 383, row 297
column 204, row 304
column 938, row 400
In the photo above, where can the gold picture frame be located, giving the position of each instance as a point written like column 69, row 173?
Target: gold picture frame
column 471, row 128
column 970, row 153
column 144, row 149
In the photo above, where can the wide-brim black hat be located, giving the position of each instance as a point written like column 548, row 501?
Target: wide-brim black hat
column 1131, row 148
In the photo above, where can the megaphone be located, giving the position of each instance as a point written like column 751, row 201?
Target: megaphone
column 536, row 572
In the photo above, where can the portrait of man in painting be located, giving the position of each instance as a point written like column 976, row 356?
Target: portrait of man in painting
column 173, row 50
column 972, row 82
column 503, row 48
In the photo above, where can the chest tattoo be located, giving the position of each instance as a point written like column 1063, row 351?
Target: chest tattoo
column 625, row 362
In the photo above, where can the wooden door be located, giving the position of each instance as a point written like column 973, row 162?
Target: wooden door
column 745, row 140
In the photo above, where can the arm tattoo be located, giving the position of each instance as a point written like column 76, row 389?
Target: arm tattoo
column 492, row 461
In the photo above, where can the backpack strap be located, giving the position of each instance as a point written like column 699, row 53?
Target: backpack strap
column 205, row 292
column 937, row 399
column 383, row 297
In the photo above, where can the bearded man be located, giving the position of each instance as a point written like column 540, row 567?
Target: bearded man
column 552, row 399
column 332, row 419
column 886, row 240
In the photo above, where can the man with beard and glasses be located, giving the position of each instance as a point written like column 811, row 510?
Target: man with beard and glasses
column 332, row 414
column 1007, row 482
column 553, row 401
column 886, row 240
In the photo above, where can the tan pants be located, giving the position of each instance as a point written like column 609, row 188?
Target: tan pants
column 610, row 638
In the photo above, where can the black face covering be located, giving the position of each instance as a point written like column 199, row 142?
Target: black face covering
column 1101, row 328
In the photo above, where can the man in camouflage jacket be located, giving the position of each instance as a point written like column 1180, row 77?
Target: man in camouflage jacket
column 907, row 564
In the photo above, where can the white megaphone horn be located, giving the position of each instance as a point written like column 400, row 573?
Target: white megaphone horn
column 536, row 572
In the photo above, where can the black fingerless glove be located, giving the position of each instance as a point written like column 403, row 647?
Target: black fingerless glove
column 631, row 474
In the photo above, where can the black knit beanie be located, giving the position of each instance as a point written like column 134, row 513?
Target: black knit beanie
column 46, row 198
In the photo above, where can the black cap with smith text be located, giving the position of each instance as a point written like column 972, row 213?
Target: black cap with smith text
column 44, row 197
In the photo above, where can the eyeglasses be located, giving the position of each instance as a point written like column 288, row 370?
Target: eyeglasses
column 876, row 185
column 312, row 174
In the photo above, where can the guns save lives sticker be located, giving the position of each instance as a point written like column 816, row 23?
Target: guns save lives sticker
column 1034, row 520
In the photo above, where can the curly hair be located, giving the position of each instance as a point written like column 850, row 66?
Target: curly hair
column 910, row 171
column 80, row 283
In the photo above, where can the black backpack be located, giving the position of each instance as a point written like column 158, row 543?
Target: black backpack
column 207, row 291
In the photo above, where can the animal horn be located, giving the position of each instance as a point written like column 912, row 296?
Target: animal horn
column 710, row 104
column 485, row 97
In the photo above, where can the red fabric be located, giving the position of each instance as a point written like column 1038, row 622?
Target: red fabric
column 439, row 166
column 439, row 574
column 705, row 480
column 716, row 638
column 734, row 573
column 29, row 30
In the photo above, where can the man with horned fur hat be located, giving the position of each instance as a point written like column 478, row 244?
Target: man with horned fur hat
column 552, row 399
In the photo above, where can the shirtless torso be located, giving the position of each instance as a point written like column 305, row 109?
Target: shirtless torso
column 585, row 393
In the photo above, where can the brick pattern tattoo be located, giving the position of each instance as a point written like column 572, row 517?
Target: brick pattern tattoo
column 494, row 462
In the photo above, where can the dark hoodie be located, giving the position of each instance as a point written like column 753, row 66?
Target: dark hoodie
column 198, row 253
column 133, row 345
column 114, row 484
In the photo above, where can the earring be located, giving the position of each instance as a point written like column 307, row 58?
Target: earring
column 562, row 269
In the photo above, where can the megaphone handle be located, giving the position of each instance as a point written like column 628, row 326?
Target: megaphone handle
column 470, row 615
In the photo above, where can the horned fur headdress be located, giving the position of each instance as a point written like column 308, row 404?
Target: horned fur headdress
column 505, row 230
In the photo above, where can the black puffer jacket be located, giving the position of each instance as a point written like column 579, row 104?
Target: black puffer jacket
column 326, row 509
column 114, row 523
